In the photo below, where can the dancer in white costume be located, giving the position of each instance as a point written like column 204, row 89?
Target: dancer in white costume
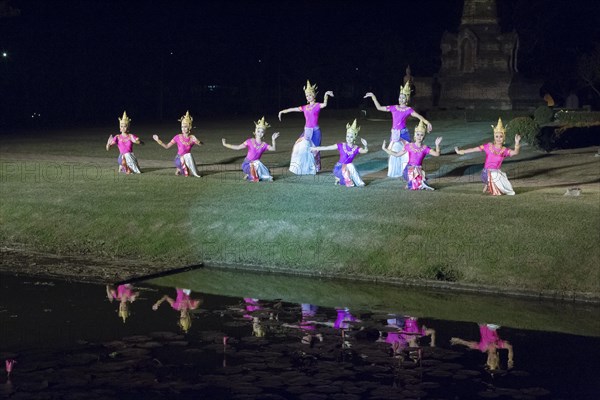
column 184, row 161
column 494, row 180
column 127, row 161
column 400, row 134
column 303, row 162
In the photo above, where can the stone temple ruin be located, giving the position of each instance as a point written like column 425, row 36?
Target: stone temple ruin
column 479, row 67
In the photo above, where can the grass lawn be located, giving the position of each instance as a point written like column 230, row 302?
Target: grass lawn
column 60, row 194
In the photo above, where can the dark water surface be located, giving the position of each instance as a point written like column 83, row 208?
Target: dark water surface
column 267, row 337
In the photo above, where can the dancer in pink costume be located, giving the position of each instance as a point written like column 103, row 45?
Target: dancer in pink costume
column 127, row 161
column 407, row 334
column 413, row 172
column 182, row 303
column 344, row 170
column 253, row 168
column 400, row 134
column 489, row 343
column 303, row 162
column 184, row 161
column 125, row 294
column 494, row 180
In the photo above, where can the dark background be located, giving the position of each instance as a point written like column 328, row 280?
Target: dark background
column 85, row 61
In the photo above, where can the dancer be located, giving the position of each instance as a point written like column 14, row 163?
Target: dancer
column 413, row 172
column 182, row 303
column 345, row 172
column 184, row 161
column 407, row 333
column 302, row 161
column 489, row 343
column 125, row 294
column 494, row 180
column 253, row 168
column 127, row 161
column 400, row 135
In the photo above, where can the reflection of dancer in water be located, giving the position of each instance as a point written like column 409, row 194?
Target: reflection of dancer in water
column 182, row 303
column 307, row 325
column 400, row 135
column 127, row 161
column 303, row 162
column 184, row 161
column 494, row 180
column 345, row 172
column 407, row 334
column 489, row 343
column 253, row 168
column 125, row 294
column 413, row 172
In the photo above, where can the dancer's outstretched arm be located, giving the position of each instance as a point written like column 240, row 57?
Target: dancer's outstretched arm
column 327, row 94
column 160, row 142
column 437, row 151
column 392, row 153
column 377, row 105
column 233, row 146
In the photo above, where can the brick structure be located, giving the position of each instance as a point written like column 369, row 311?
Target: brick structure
column 478, row 62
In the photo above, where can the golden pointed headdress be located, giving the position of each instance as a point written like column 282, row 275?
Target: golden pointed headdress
column 312, row 89
column 421, row 127
column 353, row 129
column 499, row 127
column 405, row 90
column 261, row 123
column 123, row 311
column 124, row 119
column 187, row 118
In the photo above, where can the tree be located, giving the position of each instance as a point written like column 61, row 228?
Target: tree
column 588, row 69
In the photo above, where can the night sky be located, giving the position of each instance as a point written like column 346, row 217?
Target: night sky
column 86, row 60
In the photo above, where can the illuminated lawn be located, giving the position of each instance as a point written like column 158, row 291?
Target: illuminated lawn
column 60, row 194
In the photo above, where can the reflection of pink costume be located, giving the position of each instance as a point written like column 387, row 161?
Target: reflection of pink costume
column 344, row 317
column 489, row 337
column 251, row 306
column 183, row 301
column 411, row 330
column 124, row 292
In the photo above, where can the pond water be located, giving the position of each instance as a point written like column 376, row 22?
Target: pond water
column 179, row 338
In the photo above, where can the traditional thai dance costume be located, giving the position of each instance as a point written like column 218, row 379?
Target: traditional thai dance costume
column 303, row 161
column 344, row 170
column 398, row 137
column 489, row 337
column 253, row 168
column 183, row 301
column 344, row 318
column 123, row 292
column 495, row 181
column 409, row 330
column 184, row 161
column 128, row 162
column 413, row 172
